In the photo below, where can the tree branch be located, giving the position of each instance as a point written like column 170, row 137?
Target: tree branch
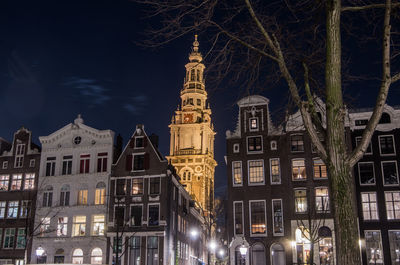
column 359, row 8
column 359, row 151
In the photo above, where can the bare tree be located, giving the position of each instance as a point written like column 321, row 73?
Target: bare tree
column 300, row 42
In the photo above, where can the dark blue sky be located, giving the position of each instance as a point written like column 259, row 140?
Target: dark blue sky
column 61, row 58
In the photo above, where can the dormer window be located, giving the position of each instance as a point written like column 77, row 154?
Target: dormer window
column 385, row 118
column 19, row 155
column 253, row 124
column 361, row 122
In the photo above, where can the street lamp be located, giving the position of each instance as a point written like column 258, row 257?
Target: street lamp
column 39, row 251
column 194, row 233
column 221, row 253
column 243, row 252
column 212, row 245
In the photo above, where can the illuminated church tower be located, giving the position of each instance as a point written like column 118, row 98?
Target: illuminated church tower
column 192, row 134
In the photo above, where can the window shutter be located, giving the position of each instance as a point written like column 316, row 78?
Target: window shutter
column 129, row 163
column 146, row 161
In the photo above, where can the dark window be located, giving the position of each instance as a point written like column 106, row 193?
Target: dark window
column 136, row 215
column 135, row 249
column 361, row 122
column 84, row 164
column 152, row 250
column 153, row 214
column 119, row 215
column 137, row 186
column 254, row 144
column 192, row 75
column 366, row 173
column 278, row 217
column 198, row 102
column 50, row 166
column 138, row 162
column 102, row 162
column 121, row 187
column 389, row 170
column 296, row 143
column 67, row 165
column 369, row 148
column 48, row 196
column 64, row 196
column 139, row 142
column 238, row 218
column 386, row 144
column 154, row 185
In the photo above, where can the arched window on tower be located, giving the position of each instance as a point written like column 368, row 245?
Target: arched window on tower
column 198, row 75
column 192, row 75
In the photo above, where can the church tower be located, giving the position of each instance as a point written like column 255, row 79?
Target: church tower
column 192, row 134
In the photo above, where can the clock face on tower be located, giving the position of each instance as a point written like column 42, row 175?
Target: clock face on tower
column 188, row 118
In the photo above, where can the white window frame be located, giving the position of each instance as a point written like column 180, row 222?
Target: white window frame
column 291, row 168
column 290, row 143
column 369, row 145
column 313, row 166
column 381, row 245
column 256, row 151
column 93, row 222
column 359, row 176
column 233, row 174
column 236, row 148
column 116, row 186
column 273, row 220
column 130, row 216
column 270, row 171
column 369, row 202
column 5, row 164
column 258, row 125
column 248, row 173
column 394, row 145
column 148, row 190
column 140, row 147
column 274, row 145
column 31, row 187
column 392, row 204
column 19, row 156
column 328, row 208
column 265, row 213
column 148, row 214
column 32, row 163
column 58, row 225
column 234, row 214
column 397, row 173
column 133, row 162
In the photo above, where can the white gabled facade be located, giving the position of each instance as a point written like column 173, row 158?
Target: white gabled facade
column 71, row 209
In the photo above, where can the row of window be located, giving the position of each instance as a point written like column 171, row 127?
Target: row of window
column 78, row 226
column 390, row 176
column 255, row 144
column 15, row 209
column 136, row 214
column 256, row 171
column 369, row 205
column 19, row 158
column 258, row 216
column 136, row 186
column 135, row 247
column 96, row 256
column 84, row 164
column 82, row 198
column 18, row 182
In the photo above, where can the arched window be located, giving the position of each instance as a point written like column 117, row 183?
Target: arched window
column 96, row 256
column 192, row 74
column 100, row 196
column 303, row 245
column 77, row 256
column 41, row 255
column 239, row 259
column 277, row 254
column 258, row 254
column 385, row 118
column 198, row 75
column 59, row 256
column 83, row 195
column 325, row 246
column 64, row 195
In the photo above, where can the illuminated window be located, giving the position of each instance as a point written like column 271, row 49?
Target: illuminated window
column 21, row 238
column 137, row 186
column 82, row 197
column 44, row 226
column 373, row 247
column 62, row 226
column 2, row 209
column 298, row 169
column 4, row 182
column 369, row 206
column 392, row 199
column 253, row 124
column 100, row 195
column 275, row 171
column 12, row 209
column 300, row 200
column 97, row 256
column 394, row 241
column 102, row 162
column 9, row 235
column 322, row 200
column 296, row 143
column 237, row 172
column 98, row 225
column 256, row 171
column 25, row 209
column 257, row 217
column 29, row 183
column 16, row 182
column 77, row 256
column 84, row 164
column 319, row 169
column 79, row 226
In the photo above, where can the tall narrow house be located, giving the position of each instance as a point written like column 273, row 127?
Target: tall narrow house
column 72, row 195
column 192, row 134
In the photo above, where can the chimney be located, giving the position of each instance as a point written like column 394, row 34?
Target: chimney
column 154, row 140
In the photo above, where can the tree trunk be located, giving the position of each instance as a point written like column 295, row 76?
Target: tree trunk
column 340, row 177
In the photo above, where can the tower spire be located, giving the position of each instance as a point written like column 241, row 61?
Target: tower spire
column 195, row 55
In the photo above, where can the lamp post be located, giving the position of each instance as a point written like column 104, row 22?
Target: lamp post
column 39, row 254
column 243, row 253
column 212, row 247
column 193, row 236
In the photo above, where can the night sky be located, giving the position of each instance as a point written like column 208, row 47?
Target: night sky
column 60, row 58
